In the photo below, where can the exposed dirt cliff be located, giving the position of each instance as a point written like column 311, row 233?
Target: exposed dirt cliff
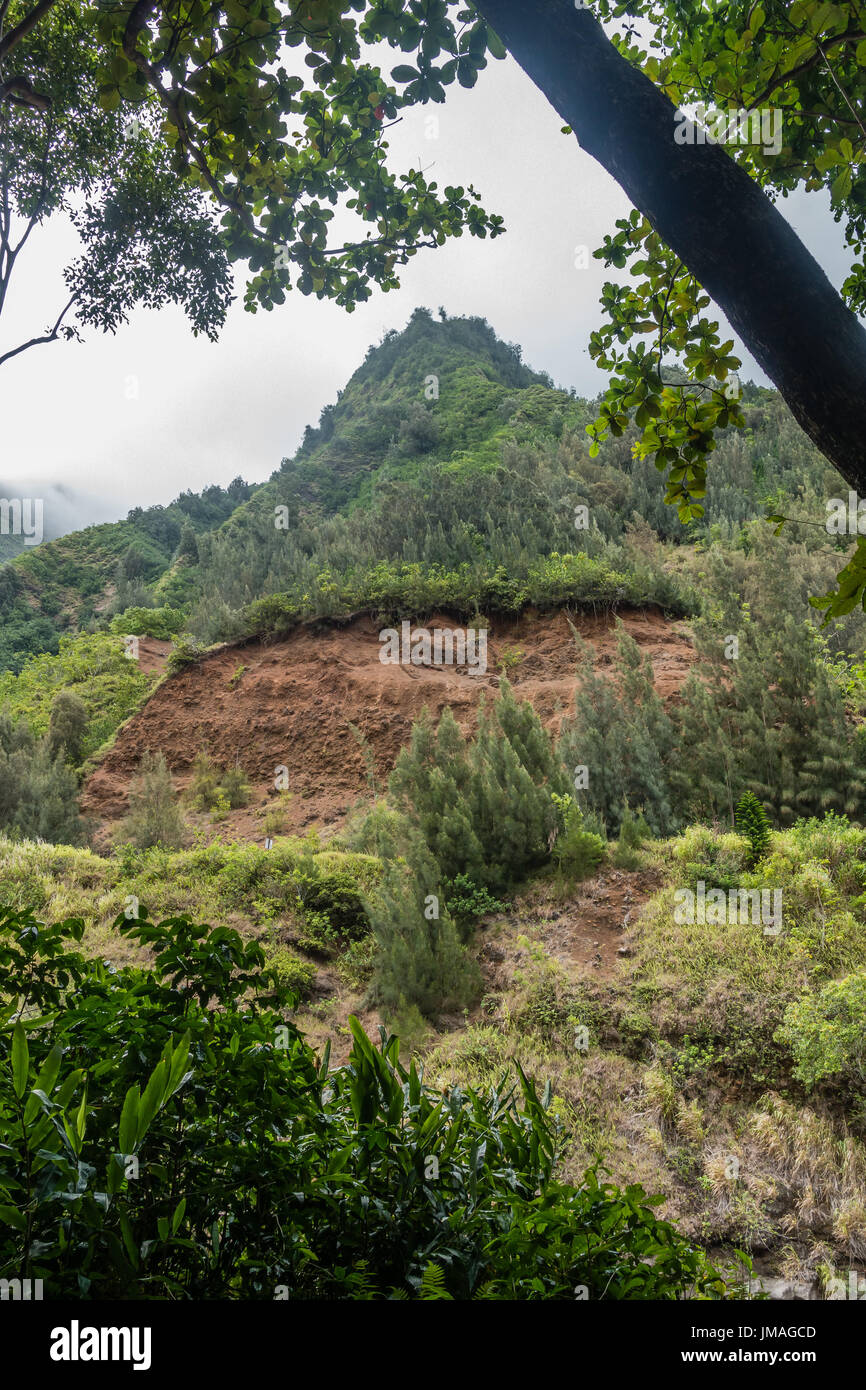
column 292, row 703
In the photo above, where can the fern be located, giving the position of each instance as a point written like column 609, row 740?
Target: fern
column 433, row 1285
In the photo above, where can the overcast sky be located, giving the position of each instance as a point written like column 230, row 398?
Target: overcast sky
column 136, row 418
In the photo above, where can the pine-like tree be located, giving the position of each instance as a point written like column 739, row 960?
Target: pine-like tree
column 621, row 734
column 154, row 814
column 771, row 720
column 38, row 790
column 420, row 960
column 68, row 725
column 752, row 821
column 484, row 809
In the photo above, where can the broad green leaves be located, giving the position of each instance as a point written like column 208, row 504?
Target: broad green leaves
column 850, row 588
column 805, row 62
column 146, row 236
column 673, row 384
column 258, row 1170
column 272, row 149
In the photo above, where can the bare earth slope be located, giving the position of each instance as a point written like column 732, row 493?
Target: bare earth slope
column 292, row 703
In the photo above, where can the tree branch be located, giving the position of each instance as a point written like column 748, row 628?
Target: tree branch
column 22, row 29
column 48, row 337
column 711, row 214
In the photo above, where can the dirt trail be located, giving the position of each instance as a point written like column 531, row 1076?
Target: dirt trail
column 293, row 703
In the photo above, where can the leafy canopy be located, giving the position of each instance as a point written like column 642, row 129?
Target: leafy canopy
column 277, row 111
column 807, row 62
column 155, row 1147
column 147, row 237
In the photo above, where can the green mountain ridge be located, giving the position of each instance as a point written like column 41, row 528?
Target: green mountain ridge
column 64, row 584
column 447, row 473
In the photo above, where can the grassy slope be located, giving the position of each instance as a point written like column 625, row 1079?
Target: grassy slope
column 685, row 1086
column 684, row 1082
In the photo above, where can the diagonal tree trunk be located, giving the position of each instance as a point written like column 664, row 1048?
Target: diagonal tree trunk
column 711, row 213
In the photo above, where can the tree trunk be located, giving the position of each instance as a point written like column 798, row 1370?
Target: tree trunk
column 711, row 213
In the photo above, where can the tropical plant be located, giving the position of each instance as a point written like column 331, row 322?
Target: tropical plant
column 158, row 1147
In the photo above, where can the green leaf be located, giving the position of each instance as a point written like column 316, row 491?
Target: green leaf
column 50, row 1068
column 129, row 1239
column 129, row 1121
column 20, row 1059
column 178, row 1216
column 151, row 1100
column 13, row 1217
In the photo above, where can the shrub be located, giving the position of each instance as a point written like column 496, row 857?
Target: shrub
column 420, row 961
column 633, row 831
column 154, row 815
column 719, row 859
column 185, row 652
column 67, row 726
column 204, row 789
column 38, row 791
column 235, row 787
column 827, row 1032
column 335, row 895
column 577, row 852
column 466, row 901
column 162, row 623
column 292, row 973
column 274, row 821
column 267, row 1175
column 356, row 964
column 752, row 821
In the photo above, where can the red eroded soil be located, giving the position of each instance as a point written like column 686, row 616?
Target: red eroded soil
column 152, row 654
column 296, row 699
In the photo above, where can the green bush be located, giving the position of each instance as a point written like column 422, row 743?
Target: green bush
column 577, row 852
column 67, row 726
column 38, row 790
column 235, row 787
column 335, row 895
column 204, row 788
column 633, row 831
column 157, row 1147
column 293, row 973
column 154, row 815
column 827, row 1032
column 466, row 901
column 162, row 623
column 185, row 652
column 752, row 821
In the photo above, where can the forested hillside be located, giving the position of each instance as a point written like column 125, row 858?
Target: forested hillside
column 447, row 474
column 80, row 581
